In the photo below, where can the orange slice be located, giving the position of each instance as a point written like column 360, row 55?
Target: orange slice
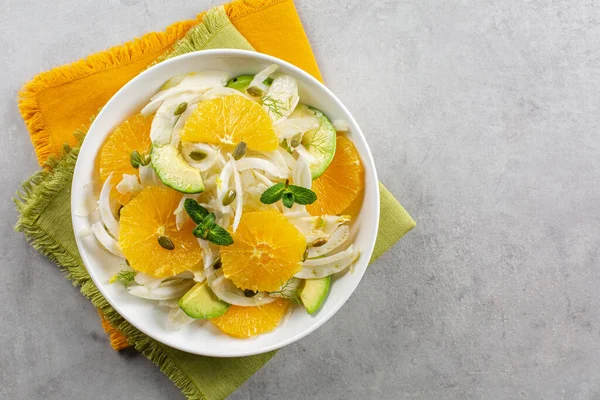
column 267, row 250
column 133, row 134
column 341, row 182
column 243, row 322
column 143, row 220
column 230, row 120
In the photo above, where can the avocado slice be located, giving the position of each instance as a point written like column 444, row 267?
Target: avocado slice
column 173, row 171
column 201, row 303
column 314, row 292
column 242, row 82
column 320, row 142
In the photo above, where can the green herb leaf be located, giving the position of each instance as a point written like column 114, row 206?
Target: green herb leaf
column 303, row 195
column 209, row 221
column 196, row 212
column 219, row 236
column 126, row 277
column 272, row 194
column 288, row 292
column 274, row 105
column 201, row 232
column 288, row 199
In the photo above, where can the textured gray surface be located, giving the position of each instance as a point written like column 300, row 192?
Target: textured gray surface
column 483, row 120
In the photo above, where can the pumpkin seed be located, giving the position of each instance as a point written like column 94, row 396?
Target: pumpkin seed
column 135, row 159
column 229, row 197
column 197, row 155
column 166, row 243
column 240, row 150
column 319, row 242
column 296, row 140
column 181, row 108
column 217, row 263
column 305, row 255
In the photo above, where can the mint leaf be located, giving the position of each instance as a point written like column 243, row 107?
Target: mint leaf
column 288, row 199
column 196, row 212
column 209, row 221
column 272, row 194
column 219, row 236
column 201, row 232
column 302, row 195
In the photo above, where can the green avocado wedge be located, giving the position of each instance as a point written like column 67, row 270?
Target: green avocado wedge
column 173, row 171
column 314, row 292
column 201, row 303
column 320, row 142
column 241, row 82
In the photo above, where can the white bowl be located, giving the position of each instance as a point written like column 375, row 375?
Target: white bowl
column 202, row 337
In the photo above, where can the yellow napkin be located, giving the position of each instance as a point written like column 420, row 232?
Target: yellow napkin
column 57, row 102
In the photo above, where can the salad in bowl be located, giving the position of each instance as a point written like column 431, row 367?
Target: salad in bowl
column 227, row 202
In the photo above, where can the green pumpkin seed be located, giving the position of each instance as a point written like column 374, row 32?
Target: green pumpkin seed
column 240, row 150
column 296, row 140
column 319, row 242
column 217, row 263
column 198, row 155
column 305, row 255
column 229, row 197
column 135, row 159
column 181, row 108
column 166, row 243
column 254, row 91
column 249, row 293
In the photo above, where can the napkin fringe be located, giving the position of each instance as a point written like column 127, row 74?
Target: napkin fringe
column 117, row 340
column 241, row 8
column 29, row 104
column 35, row 195
column 197, row 37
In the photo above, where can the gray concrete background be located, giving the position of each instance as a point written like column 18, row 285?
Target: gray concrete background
column 483, row 120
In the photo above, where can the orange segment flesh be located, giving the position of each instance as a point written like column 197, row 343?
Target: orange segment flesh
column 341, row 182
column 243, row 322
column 133, row 134
column 267, row 250
column 230, row 120
column 143, row 220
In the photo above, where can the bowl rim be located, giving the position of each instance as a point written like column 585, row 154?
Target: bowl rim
column 368, row 164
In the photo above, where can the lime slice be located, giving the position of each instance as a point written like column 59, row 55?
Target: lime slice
column 320, row 143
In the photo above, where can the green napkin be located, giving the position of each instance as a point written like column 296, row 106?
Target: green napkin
column 45, row 219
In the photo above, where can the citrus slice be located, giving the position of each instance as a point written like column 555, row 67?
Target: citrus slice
column 230, row 120
column 341, row 182
column 243, row 322
column 148, row 217
column 131, row 135
column 267, row 250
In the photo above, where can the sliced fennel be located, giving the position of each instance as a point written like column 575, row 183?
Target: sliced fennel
column 322, row 267
column 106, row 213
column 106, row 240
column 335, row 240
column 281, row 98
column 129, row 184
column 258, row 86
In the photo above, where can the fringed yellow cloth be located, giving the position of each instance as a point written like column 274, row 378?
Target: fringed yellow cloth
column 58, row 102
